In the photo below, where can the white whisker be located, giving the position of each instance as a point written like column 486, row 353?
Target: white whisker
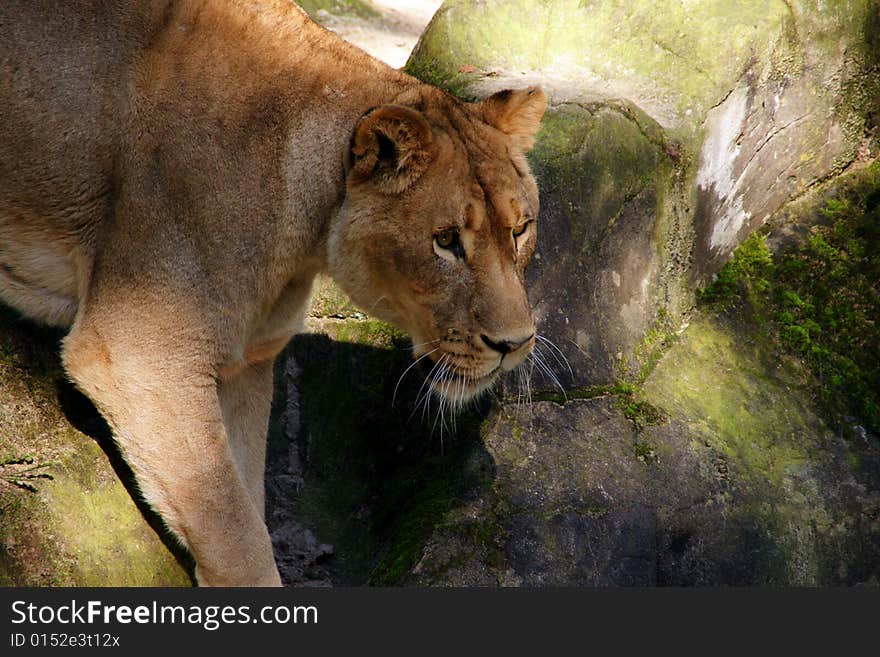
column 427, row 381
column 528, row 379
column 441, row 379
column 557, row 353
column 546, row 371
column 372, row 307
column 414, row 363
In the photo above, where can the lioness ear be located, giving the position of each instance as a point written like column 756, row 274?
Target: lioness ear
column 392, row 145
column 517, row 113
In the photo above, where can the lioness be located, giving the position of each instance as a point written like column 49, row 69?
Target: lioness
column 173, row 174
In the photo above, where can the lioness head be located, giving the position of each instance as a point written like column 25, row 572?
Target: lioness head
column 438, row 225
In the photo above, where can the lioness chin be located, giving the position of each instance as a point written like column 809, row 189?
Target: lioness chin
column 172, row 177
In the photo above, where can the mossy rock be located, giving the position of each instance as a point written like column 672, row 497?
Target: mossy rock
column 717, row 472
column 329, row 301
column 811, row 277
column 657, row 157
column 711, row 464
column 662, row 56
column 613, row 244
column 65, row 517
column 721, row 467
column 807, row 489
column 789, row 103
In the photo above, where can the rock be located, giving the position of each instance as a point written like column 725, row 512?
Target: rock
column 354, row 450
column 662, row 56
column 718, row 469
column 659, row 156
column 65, row 517
column 793, row 501
column 733, row 480
column 297, row 550
column 614, row 237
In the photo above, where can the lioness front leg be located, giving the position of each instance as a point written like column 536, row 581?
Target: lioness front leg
column 149, row 376
column 246, row 399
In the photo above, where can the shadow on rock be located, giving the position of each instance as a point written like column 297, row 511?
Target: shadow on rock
column 352, row 465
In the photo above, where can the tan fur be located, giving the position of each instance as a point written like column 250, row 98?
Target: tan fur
column 173, row 175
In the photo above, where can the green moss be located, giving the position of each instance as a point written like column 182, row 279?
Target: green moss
column 421, row 499
column 106, row 539
column 744, row 275
column 657, row 340
column 645, row 452
column 642, row 413
column 717, row 378
column 589, row 392
column 821, row 298
column 516, row 430
column 328, row 300
column 454, row 81
column 76, row 530
column 371, row 332
column 418, row 518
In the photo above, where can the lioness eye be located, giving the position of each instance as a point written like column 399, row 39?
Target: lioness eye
column 519, row 231
column 446, row 239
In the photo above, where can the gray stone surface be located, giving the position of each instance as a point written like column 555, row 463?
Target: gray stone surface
column 614, row 249
column 595, row 493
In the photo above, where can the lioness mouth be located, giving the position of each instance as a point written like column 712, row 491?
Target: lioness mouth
column 446, row 381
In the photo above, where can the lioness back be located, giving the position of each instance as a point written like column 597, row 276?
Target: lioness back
column 102, row 100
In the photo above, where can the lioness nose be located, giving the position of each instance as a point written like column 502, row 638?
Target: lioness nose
column 504, row 346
